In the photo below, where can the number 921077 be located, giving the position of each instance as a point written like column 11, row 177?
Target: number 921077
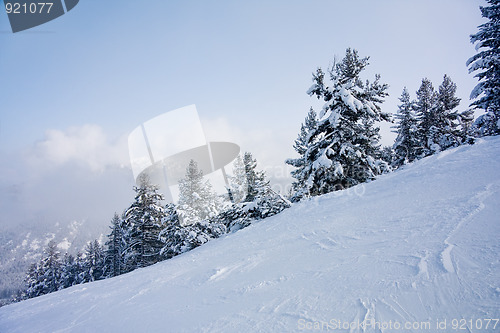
column 28, row 8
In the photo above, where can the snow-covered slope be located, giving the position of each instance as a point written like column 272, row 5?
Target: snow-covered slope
column 416, row 247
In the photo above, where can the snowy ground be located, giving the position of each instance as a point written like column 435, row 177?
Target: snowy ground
column 418, row 247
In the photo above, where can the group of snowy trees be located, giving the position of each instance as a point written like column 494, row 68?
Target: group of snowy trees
column 149, row 231
column 339, row 148
column 430, row 124
column 202, row 215
column 55, row 271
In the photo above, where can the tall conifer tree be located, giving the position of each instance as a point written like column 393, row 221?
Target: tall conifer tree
column 406, row 144
column 343, row 149
column 142, row 224
column 197, row 200
column 301, row 145
column 486, row 65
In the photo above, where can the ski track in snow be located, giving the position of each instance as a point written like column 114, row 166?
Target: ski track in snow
column 419, row 245
column 477, row 205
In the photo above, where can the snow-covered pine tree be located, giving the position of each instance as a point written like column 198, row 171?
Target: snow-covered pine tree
column 33, row 281
column 179, row 238
column 466, row 119
column 94, row 262
column 197, row 201
column 301, row 146
column 170, row 236
column 425, row 108
column 73, row 270
column 79, row 267
column 196, row 234
column 445, row 130
column 114, row 246
column 486, row 64
column 267, row 203
column 406, row 144
column 255, row 180
column 69, row 274
column 260, row 202
column 387, row 154
column 238, row 181
column 45, row 276
column 141, row 226
column 342, row 150
column 51, row 267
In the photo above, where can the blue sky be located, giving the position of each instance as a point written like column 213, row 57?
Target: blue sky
column 72, row 89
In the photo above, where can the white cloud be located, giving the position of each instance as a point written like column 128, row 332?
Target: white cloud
column 76, row 174
column 86, row 145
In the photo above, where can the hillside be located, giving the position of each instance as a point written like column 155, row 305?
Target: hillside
column 416, row 247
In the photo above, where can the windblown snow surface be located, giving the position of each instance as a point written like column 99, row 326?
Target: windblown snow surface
column 417, row 250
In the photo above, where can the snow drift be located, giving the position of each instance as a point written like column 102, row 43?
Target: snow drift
column 414, row 251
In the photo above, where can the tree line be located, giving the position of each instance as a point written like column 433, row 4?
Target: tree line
column 149, row 231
